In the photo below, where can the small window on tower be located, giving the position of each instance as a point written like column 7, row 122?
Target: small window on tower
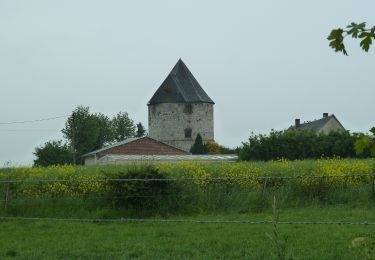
column 188, row 109
column 188, row 133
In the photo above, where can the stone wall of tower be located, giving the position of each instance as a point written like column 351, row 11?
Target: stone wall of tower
column 178, row 124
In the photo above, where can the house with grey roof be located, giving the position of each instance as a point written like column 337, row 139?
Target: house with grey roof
column 180, row 110
column 326, row 124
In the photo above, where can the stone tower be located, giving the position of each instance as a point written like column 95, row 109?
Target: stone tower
column 180, row 109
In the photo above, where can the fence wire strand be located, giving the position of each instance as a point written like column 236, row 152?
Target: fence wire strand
column 140, row 220
column 193, row 179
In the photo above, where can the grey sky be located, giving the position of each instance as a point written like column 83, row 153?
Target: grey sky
column 264, row 63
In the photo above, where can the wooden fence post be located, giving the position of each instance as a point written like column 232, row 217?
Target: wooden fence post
column 6, row 195
column 264, row 187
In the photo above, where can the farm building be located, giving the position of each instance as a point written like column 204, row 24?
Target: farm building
column 180, row 110
column 133, row 146
column 146, row 149
column 126, row 159
column 325, row 125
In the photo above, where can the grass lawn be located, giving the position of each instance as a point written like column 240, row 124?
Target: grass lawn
column 75, row 240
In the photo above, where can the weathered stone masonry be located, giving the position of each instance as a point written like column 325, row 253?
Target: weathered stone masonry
column 178, row 124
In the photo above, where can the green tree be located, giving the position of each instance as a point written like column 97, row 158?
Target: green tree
column 53, row 153
column 337, row 36
column 141, row 131
column 198, row 147
column 122, row 127
column 86, row 132
column 366, row 144
column 105, row 134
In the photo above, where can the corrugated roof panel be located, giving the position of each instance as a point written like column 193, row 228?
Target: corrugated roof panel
column 119, row 158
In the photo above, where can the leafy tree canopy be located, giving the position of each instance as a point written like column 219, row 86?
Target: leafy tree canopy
column 366, row 144
column 53, row 153
column 337, row 36
column 122, row 127
column 85, row 132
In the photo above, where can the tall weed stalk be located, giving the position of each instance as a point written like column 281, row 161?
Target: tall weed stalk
column 279, row 242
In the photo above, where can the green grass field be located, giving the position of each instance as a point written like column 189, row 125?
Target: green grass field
column 75, row 240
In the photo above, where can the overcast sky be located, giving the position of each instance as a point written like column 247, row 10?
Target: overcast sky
column 264, row 63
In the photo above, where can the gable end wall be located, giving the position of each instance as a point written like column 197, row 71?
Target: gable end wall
column 331, row 125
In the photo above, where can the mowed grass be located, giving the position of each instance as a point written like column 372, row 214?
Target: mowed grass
column 77, row 240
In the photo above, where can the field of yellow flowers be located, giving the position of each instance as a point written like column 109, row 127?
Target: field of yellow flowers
column 193, row 187
column 334, row 171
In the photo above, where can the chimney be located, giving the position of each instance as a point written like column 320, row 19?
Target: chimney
column 297, row 122
column 325, row 115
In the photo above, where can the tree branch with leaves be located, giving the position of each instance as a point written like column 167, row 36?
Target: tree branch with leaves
column 366, row 143
column 337, row 36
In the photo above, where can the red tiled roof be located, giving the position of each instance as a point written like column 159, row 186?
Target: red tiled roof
column 141, row 146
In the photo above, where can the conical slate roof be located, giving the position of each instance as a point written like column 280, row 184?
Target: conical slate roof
column 180, row 86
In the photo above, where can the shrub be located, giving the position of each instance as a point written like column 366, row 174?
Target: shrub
column 143, row 193
column 198, row 146
column 213, row 147
column 53, row 153
column 298, row 145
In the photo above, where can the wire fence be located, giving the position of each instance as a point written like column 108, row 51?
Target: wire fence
column 194, row 179
column 135, row 220
column 129, row 200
